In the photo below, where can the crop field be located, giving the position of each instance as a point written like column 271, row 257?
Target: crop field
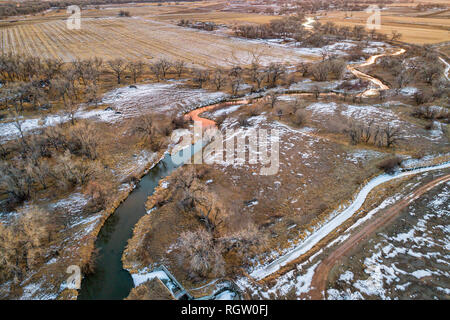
column 138, row 38
column 415, row 27
column 131, row 39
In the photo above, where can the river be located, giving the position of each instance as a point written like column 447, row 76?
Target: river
column 110, row 280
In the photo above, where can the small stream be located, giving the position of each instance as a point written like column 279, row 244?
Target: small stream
column 110, row 281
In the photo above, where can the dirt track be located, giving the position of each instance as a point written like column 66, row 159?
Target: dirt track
column 320, row 277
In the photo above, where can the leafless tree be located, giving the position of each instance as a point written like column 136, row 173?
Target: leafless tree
column 395, row 35
column 299, row 117
column 392, row 134
column 275, row 71
column 429, row 72
column 235, row 85
column 68, row 93
column 52, row 67
column 26, row 241
column 200, row 77
column 200, row 255
column 144, row 127
column 15, row 181
column 136, row 69
column 160, row 68
column 219, row 78
column 39, row 172
column 320, row 71
column 337, row 67
column 179, row 66
column 118, row 66
column 316, row 91
column 402, row 79
column 279, row 112
column 273, row 99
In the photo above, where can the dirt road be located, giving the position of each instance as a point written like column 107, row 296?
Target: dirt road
column 385, row 217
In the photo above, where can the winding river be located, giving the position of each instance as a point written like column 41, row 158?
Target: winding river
column 377, row 82
column 111, row 281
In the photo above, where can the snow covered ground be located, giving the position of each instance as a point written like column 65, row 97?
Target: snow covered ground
column 125, row 103
column 409, row 261
column 337, row 218
column 447, row 69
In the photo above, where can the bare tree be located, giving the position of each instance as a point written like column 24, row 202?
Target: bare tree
column 18, row 122
column 144, row 127
column 160, row 68
column 26, row 241
column 392, row 135
column 299, row 117
column 316, row 91
column 273, row 99
column 429, row 72
column 68, row 93
column 179, row 66
column 259, row 78
column 200, row 77
column 395, row 35
column 97, row 64
column 118, row 66
column 275, row 71
column 279, row 112
column 39, row 172
column 136, row 69
column 219, row 78
column 235, row 85
column 16, row 182
column 52, row 67
column 320, row 71
column 402, row 79
column 337, row 67
column 200, row 254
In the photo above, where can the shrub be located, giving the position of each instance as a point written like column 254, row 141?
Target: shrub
column 200, row 255
column 298, row 118
column 389, row 165
column 25, row 241
column 123, row 13
column 243, row 121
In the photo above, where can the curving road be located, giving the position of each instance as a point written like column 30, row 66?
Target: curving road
column 310, row 242
column 320, row 277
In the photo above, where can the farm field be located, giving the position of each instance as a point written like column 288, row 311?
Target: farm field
column 419, row 28
column 144, row 36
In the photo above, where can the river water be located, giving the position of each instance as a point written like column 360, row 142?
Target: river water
column 110, row 280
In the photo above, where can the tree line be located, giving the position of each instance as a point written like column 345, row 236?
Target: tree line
column 17, row 8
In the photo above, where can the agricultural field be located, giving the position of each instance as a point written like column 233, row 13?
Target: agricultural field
column 415, row 27
column 143, row 36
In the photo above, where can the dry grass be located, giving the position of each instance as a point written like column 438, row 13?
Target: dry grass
column 144, row 36
column 152, row 289
column 414, row 29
